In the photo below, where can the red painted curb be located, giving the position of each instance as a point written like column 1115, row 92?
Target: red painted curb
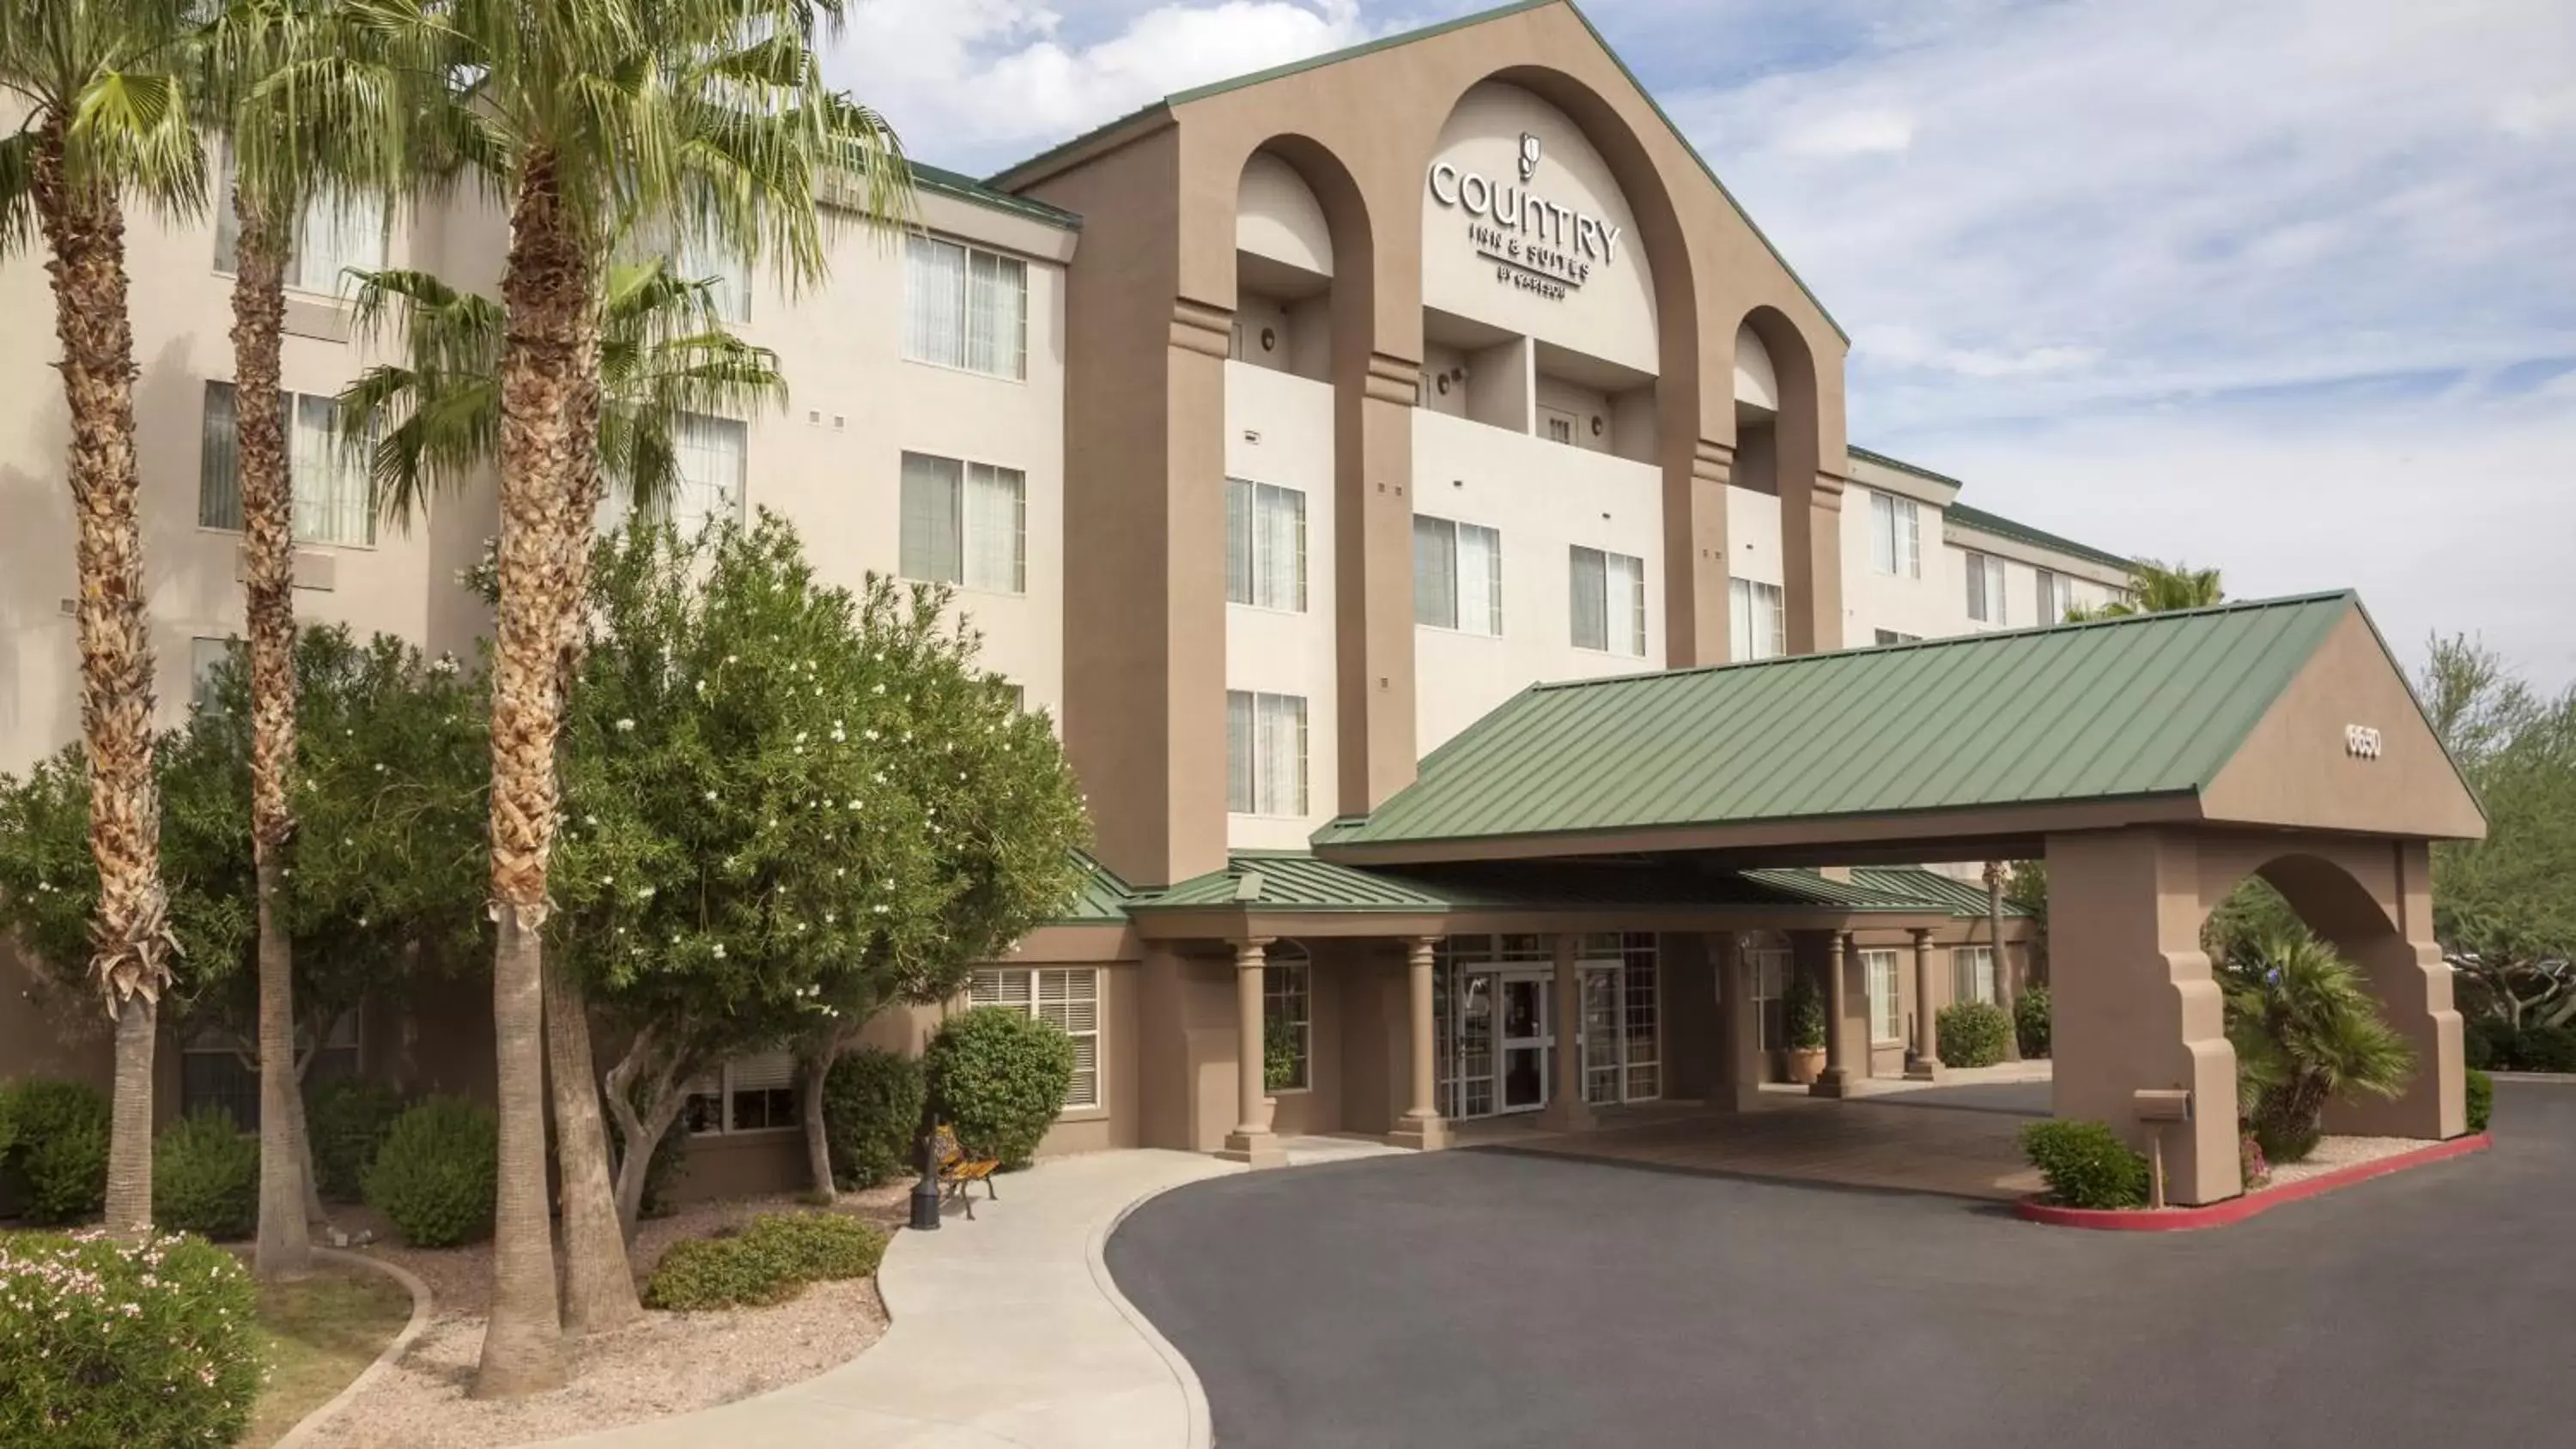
column 2238, row 1209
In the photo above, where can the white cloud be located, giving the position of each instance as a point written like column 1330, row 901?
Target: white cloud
column 1854, row 133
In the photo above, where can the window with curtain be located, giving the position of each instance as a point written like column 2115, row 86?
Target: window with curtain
column 1265, row 545
column 965, row 308
column 964, row 523
column 1896, row 535
column 712, row 463
column 1973, row 973
column 1287, row 1019
column 1986, row 588
column 2056, row 594
column 334, row 500
column 1265, row 753
column 1457, row 576
column 1609, row 601
column 748, row 1094
column 1886, row 996
column 1068, row 997
column 1769, row 968
column 1757, row 621
column 337, row 231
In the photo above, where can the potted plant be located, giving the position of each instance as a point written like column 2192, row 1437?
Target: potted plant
column 1804, row 1008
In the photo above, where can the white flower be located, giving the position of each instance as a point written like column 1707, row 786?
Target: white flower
column 711, row 797
column 719, row 950
column 728, row 659
column 625, row 726
column 645, row 894
column 800, row 737
column 880, row 689
column 879, row 908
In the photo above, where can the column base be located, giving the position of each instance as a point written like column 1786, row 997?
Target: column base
column 1833, row 1082
column 1422, row 1134
column 1253, row 1149
column 1563, row 1116
column 1924, row 1070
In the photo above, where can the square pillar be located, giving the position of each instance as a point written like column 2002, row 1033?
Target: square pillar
column 1846, row 1062
column 1421, row 1126
column 1251, row 1141
column 1740, row 1090
column 1566, row 1110
column 1926, row 1065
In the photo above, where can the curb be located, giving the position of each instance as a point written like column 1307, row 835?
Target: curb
column 2238, row 1209
column 2559, row 1079
column 312, row 1424
column 1202, row 1429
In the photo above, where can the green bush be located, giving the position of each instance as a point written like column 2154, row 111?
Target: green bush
column 872, row 1115
column 2481, row 1100
column 435, row 1177
column 2484, row 1044
column 111, row 1347
column 205, row 1177
column 8, row 1123
column 2030, row 1022
column 999, row 1077
column 348, row 1118
column 2085, row 1164
column 61, row 1152
column 2544, row 1049
column 1971, row 1034
column 770, row 1261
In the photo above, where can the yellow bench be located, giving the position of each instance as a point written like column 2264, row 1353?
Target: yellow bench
column 958, row 1171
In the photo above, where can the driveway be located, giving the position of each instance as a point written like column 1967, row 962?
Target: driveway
column 1483, row 1298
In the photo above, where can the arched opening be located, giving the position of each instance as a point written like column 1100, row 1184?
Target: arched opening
column 1774, row 566
column 1283, row 309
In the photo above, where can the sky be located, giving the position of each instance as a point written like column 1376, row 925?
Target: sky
column 2281, row 287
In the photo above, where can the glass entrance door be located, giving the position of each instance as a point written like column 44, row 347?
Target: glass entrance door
column 1527, row 1037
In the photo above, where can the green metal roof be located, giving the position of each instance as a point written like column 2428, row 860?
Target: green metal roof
column 1101, row 899
column 1002, row 178
column 967, row 188
column 1872, row 455
column 2002, row 527
column 2149, row 705
column 1292, row 881
column 1930, row 887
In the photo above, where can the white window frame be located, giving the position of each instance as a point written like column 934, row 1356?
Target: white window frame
column 1252, row 721
column 1252, row 572
column 324, row 512
column 1457, row 617
column 939, row 331
column 967, row 539
column 2054, row 594
column 1987, row 581
column 1885, row 975
column 1056, row 993
column 1742, row 594
column 768, row 1073
column 203, row 655
column 1629, row 631
column 1288, row 989
column 1886, row 637
column 355, row 216
column 1768, row 968
column 1895, row 535
column 1972, row 974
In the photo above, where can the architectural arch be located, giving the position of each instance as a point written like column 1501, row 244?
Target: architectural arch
column 1782, row 454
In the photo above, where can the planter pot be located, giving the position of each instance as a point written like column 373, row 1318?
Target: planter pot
column 1806, row 1064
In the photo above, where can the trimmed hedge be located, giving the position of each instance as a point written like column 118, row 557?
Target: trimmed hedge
column 2086, row 1164
column 2532, row 1049
column 999, row 1077
column 1971, row 1034
column 437, row 1175
column 2031, row 1021
column 871, row 1116
column 348, row 1119
column 205, row 1177
column 2481, row 1100
column 768, row 1262
column 111, row 1347
column 61, row 1150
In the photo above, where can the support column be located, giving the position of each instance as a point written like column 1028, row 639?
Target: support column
column 1741, row 1089
column 1926, row 1065
column 1421, row 1127
column 1566, row 1111
column 1839, row 1078
column 1251, row 1140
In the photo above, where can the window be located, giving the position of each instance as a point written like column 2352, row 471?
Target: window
column 1069, row 997
column 1287, row 1020
column 2056, row 596
column 1457, row 576
column 1973, row 968
column 965, row 523
column 1890, row 636
column 1985, row 588
column 334, row 499
column 1759, row 624
column 1265, row 545
column 1265, row 753
column 338, row 232
column 968, row 308
column 1609, row 602
column 1886, row 996
column 747, row 1094
column 710, row 457
column 1769, row 968
column 204, row 656
column 1895, row 535
column 1560, row 426
column 221, row 1070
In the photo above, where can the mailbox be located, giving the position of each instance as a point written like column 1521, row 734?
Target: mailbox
column 2163, row 1104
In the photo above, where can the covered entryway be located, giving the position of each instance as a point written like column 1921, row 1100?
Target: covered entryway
column 2152, row 762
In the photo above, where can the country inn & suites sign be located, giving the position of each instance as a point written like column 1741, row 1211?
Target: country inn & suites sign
column 1535, row 244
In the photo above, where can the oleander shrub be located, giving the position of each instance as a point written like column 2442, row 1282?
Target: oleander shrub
column 871, row 1115
column 348, row 1118
column 2085, row 1164
column 1971, row 1034
column 205, row 1177
column 770, row 1261
column 436, row 1175
column 104, row 1346
column 2481, row 1100
column 59, row 1162
column 2030, row 1022
column 2251, row 1164
column 999, row 1077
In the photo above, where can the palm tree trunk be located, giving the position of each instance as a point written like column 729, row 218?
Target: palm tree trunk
column 2004, row 993
column 599, row 1286
column 546, row 290
column 85, row 233
column 285, row 1247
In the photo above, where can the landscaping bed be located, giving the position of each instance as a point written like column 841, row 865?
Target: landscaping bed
column 320, row 1333
column 2337, row 1162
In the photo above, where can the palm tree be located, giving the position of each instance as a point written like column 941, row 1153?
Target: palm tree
column 107, row 117
column 2306, row 1031
column 664, row 354
column 2156, row 588
column 578, row 115
column 313, row 117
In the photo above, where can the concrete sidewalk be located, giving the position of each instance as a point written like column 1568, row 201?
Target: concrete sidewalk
column 1006, row 1330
